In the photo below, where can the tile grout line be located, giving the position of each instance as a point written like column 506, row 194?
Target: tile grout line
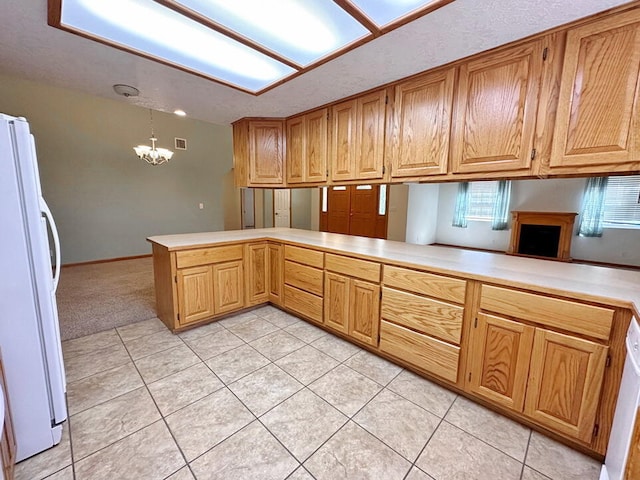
column 413, row 464
column 526, row 452
column 162, row 418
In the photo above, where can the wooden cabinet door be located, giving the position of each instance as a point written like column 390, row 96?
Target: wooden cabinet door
column 316, row 146
column 266, row 152
column 295, row 149
column 257, row 273
column 364, row 311
column 195, row 294
column 343, row 140
column 597, row 121
column 565, row 380
column 275, row 276
column 370, row 113
column 422, row 125
column 495, row 114
column 499, row 360
column 229, row 287
column 336, row 302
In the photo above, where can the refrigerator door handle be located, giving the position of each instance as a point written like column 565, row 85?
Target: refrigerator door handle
column 56, row 241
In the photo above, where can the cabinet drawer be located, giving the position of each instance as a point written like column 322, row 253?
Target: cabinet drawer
column 424, row 352
column 355, row 268
column 305, row 256
column 205, row 256
column 435, row 318
column 437, row 286
column 305, row 278
column 562, row 314
column 304, row 303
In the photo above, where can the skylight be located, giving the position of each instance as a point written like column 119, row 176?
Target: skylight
column 251, row 45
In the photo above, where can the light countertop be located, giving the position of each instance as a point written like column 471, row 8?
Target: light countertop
column 609, row 285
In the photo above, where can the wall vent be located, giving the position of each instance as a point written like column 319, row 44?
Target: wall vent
column 180, row 143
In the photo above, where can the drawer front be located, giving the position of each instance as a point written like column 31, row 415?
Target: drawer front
column 305, row 278
column 304, row 303
column 553, row 312
column 355, row 268
column 424, row 352
column 305, row 256
column 432, row 317
column 206, row 256
column 437, row 286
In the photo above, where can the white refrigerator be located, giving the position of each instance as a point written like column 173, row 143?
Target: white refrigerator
column 29, row 330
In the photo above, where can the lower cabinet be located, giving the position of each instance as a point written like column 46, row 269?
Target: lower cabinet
column 210, row 282
column 303, row 285
column 352, row 297
column 565, row 380
column 422, row 315
column 275, row 276
column 352, row 307
column 195, row 294
column 553, row 378
column 257, row 273
column 228, row 290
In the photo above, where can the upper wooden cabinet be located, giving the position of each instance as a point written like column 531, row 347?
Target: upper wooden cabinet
column 419, row 141
column 495, row 110
column 307, row 147
column 597, row 126
column 258, row 153
column 357, row 137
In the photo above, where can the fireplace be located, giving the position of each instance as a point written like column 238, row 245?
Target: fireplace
column 542, row 234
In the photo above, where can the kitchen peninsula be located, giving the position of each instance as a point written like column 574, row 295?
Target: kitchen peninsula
column 537, row 340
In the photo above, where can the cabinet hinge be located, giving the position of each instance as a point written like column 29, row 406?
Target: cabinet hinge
column 607, row 363
column 380, row 294
column 175, row 278
column 384, row 169
column 475, row 322
column 469, row 376
column 545, row 53
column 533, row 153
column 178, row 317
column 596, row 429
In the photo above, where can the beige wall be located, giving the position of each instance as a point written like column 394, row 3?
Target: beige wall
column 105, row 200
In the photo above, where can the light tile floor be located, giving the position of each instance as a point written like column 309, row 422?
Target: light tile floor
column 264, row 395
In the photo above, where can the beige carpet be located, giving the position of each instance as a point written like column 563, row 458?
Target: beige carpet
column 97, row 297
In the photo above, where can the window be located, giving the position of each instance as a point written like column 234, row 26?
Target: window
column 622, row 202
column 482, row 198
column 483, row 201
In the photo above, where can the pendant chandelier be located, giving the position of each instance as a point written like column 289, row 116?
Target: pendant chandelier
column 153, row 155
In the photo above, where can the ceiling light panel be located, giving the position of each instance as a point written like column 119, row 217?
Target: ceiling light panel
column 383, row 12
column 149, row 28
column 301, row 31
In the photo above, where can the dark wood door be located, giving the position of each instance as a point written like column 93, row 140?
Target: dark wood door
column 355, row 210
column 364, row 210
column 340, row 210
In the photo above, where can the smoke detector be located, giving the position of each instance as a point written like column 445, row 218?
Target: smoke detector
column 126, row 90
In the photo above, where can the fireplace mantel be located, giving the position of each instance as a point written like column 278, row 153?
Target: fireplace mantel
column 534, row 234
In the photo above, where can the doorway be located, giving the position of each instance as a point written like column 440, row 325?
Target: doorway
column 282, row 208
column 248, row 208
column 355, row 210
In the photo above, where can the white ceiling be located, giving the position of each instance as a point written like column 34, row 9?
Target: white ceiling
column 30, row 49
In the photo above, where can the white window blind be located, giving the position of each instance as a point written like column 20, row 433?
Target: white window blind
column 622, row 202
column 482, row 197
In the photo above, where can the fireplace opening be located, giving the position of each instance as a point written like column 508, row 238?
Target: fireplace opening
column 539, row 240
